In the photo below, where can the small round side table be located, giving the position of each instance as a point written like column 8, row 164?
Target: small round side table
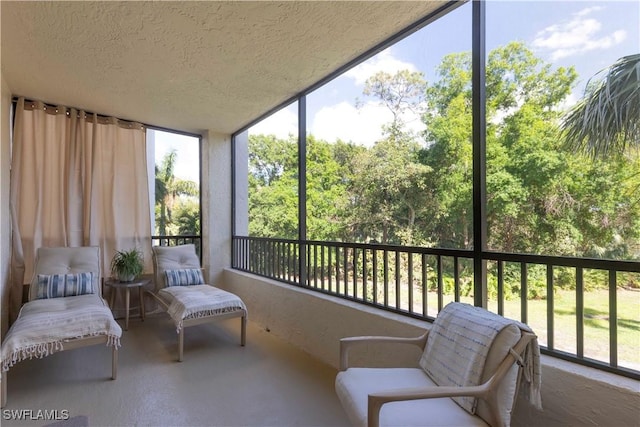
column 115, row 284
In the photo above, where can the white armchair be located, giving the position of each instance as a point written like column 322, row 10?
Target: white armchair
column 467, row 376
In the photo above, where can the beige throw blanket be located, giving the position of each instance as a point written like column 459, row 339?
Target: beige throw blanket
column 44, row 325
column 459, row 342
column 531, row 369
column 190, row 302
column 458, row 345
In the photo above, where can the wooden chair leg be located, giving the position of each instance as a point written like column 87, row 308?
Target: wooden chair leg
column 112, row 297
column 3, row 398
column 127, row 300
column 114, row 362
column 243, row 330
column 141, row 298
column 180, row 344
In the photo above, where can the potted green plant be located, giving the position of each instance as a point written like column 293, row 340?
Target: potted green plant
column 127, row 265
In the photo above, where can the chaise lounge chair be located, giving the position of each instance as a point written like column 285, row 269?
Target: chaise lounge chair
column 182, row 292
column 65, row 310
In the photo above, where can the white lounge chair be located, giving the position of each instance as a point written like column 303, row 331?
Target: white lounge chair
column 65, row 310
column 467, row 375
column 181, row 290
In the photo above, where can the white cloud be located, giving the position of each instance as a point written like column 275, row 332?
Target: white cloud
column 340, row 121
column 384, row 61
column 576, row 36
column 343, row 120
column 281, row 123
column 359, row 125
column 589, row 10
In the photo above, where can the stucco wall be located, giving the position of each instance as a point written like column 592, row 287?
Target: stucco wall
column 572, row 395
column 216, row 203
column 5, row 221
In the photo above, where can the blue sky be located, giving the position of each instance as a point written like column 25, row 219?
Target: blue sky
column 187, row 150
column 584, row 34
column 588, row 35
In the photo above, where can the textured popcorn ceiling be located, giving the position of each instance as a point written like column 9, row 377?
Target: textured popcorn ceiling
column 187, row 65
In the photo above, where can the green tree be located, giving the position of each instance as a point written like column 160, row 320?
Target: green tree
column 273, row 187
column 389, row 191
column 168, row 190
column 187, row 217
column 389, row 187
column 417, row 189
column 449, row 155
column 400, row 93
column 541, row 197
column 327, row 197
column 520, row 89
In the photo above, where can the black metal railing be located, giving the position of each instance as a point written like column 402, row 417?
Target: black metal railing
column 419, row 281
column 179, row 240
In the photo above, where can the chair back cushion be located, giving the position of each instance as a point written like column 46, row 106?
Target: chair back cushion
column 182, row 257
column 464, row 348
column 67, row 261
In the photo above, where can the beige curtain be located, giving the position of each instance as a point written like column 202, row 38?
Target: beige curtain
column 117, row 205
column 75, row 180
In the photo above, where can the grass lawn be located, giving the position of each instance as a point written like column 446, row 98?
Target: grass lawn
column 596, row 322
column 596, row 319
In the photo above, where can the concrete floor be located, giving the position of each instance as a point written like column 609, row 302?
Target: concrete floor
column 220, row 383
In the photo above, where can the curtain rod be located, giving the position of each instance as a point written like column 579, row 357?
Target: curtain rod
column 103, row 116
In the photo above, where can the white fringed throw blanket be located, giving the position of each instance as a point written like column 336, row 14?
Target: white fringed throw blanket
column 44, row 325
column 459, row 342
column 192, row 302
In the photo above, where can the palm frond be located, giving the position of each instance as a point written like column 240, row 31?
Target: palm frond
column 606, row 121
column 185, row 188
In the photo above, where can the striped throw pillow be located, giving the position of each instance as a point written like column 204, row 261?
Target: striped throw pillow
column 184, row 277
column 64, row 285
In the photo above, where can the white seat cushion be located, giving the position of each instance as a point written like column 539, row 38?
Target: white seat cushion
column 196, row 301
column 355, row 384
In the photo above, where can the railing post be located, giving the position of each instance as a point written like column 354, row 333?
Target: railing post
column 579, row 313
column 550, row 308
column 613, row 319
column 524, row 292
